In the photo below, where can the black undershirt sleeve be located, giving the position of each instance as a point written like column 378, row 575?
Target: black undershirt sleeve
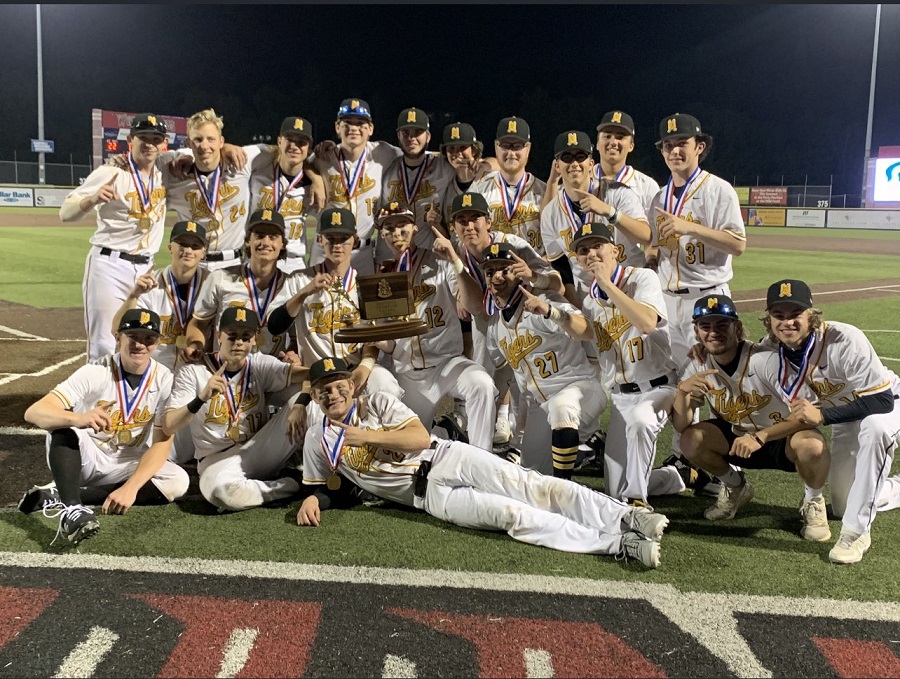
column 280, row 321
column 564, row 267
column 870, row 404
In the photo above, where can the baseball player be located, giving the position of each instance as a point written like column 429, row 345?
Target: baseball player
column 171, row 293
column 576, row 203
column 462, row 150
column 352, row 174
column 105, row 442
column 431, row 366
column 379, row 444
column 322, row 299
column 750, row 426
column 241, row 451
column 279, row 182
column 831, row 375
column 417, row 179
column 513, row 195
column 257, row 284
column 130, row 209
column 552, row 372
column 626, row 319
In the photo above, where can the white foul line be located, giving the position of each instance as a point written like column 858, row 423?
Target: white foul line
column 45, row 371
column 19, row 333
column 87, row 655
column 829, row 292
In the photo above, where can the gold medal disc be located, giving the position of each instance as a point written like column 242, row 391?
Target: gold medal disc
column 145, row 223
column 124, row 437
column 181, row 341
column 213, row 224
column 333, row 482
column 233, row 432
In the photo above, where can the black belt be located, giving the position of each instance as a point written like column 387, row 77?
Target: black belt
column 134, row 259
column 223, row 255
column 421, row 484
column 634, row 388
column 684, row 291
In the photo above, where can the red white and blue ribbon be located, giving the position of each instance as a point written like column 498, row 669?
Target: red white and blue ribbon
column 672, row 206
column 210, row 196
column 333, row 452
column 260, row 307
column 510, row 205
column 183, row 312
column 144, row 194
column 351, row 183
column 277, row 194
column 617, row 277
column 788, row 387
column 491, row 306
column 411, row 186
column 623, row 175
column 128, row 406
column 231, row 401
column 410, row 258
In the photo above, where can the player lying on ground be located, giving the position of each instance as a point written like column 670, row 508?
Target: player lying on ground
column 105, row 440
column 379, row 444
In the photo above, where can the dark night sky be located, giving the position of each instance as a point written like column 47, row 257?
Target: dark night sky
column 782, row 88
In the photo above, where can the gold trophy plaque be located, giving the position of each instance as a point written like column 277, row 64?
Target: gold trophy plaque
column 385, row 306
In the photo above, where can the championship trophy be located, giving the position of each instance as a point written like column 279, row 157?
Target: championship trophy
column 385, row 306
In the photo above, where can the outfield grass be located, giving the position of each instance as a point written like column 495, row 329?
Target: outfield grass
column 862, row 234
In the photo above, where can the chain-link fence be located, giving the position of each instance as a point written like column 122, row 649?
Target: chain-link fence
column 16, row 171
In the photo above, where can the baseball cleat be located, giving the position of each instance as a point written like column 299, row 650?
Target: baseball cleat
column 850, row 548
column 513, row 455
column 815, row 520
column 76, row 522
column 730, row 500
column 645, row 521
column 694, row 478
column 38, row 497
column 502, row 432
column 638, row 546
column 453, row 424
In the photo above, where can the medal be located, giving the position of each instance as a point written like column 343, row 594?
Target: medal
column 145, row 223
column 351, row 184
column 128, row 406
column 411, row 186
column 333, row 482
column 511, row 206
column 333, row 452
column 675, row 207
column 260, row 306
column 143, row 194
column 211, row 196
column 181, row 341
column 788, row 387
column 182, row 311
column 124, row 437
column 232, row 402
column 277, row 195
column 233, row 432
column 214, row 224
column 617, row 277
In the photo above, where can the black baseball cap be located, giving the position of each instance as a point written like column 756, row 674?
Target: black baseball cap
column 148, row 122
column 140, row 320
column 618, row 120
column 328, row 367
column 497, row 252
column 458, row 134
column 296, row 125
column 337, row 220
column 468, row 202
column 513, row 128
column 679, row 125
column 238, row 316
column 189, row 229
column 572, row 140
column 394, row 209
column 413, row 117
column 715, row 305
column 592, row 230
column 789, row 290
column 354, row 108
column 266, row 216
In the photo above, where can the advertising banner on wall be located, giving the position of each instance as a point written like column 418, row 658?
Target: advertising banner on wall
column 743, row 193
column 49, row 197
column 765, row 216
column 863, row 219
column 806, row 218
column 768, row 195
column 16, row 197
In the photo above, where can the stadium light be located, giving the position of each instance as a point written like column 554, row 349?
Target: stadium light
column 871, row 106
column 42, row 170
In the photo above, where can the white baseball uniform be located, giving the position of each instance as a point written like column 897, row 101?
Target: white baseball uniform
column 641, row 376
column 842, row 366
column 688, row 268
column 235, row 286
column 646, row 189
column 357, row 187
column 430, row 366
column 552, row 373
column 219, row 200
column 122, row 250
column 111, row 456
column 515, row 208
column 240, row 472
column 468, row 486
column 268, row 182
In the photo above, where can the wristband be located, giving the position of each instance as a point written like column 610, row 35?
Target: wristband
column 195, row 405
column 541, row 280
column 367, row 363
column 614, row 217
column 303, row 400
column 757, row 439
column 557, row 315
column 458, row 266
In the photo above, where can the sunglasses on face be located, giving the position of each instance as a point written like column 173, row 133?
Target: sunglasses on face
column 577, row 157
column 511, row 145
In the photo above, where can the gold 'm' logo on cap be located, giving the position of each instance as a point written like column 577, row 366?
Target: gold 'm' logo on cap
column 191, row 226
column 298, row 124
column 467, row 201
column 354, row 103
column 616, row 117
column 240, row 314
column 495, row 249
column 712, row 302
column 145, row 318
column 672, row 125
column 573, row 139
column 454, row 133
column 785, row 290
column 151, row 120
column 512, row 127
column 586, row 228
column 267, row 215
column 335, row 218
column 328, row 364
column 395, row 205
column 410, row 116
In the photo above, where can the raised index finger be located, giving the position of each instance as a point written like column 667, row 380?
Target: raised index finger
column 221, row 370
column 525, row 292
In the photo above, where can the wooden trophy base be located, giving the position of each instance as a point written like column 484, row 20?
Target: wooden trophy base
column 375, row 331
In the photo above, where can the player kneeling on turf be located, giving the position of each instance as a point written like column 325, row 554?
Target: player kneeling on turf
column 106, row 439
column 241, row 451
column 379, row 444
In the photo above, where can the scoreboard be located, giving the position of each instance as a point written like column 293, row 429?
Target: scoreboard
column 110, row 129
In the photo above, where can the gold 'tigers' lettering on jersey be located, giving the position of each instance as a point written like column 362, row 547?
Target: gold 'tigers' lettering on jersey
column 520, row 347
